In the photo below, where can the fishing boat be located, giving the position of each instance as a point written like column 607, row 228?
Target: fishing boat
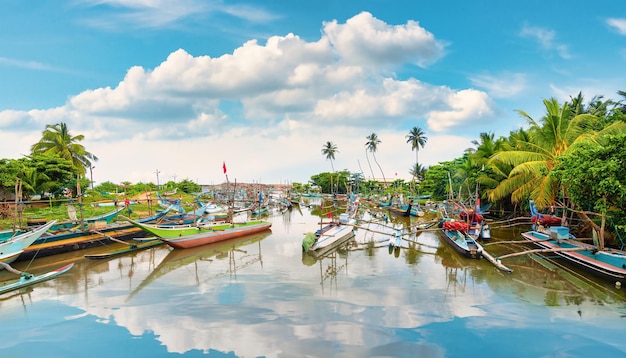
column 477, row 228
column 329, row 237
column 218, row 233
column 455, row 234
column 609, row 264
column 410, row 209
column 164, row 203
column 106, row 217
column 170, row 231
column 66, row 241
column 73, row 221
column 259, row 211
column 545, row 220
column 549, row 235
column 333, row 233
column 100, row 233
column 27, row 279
column 404, row 210
column 11, row 247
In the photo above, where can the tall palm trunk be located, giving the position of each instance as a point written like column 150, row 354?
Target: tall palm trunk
column 368, row 163
column 379, row 167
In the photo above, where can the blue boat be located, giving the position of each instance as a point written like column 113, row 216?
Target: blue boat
column 609, row 264
column 461, row 242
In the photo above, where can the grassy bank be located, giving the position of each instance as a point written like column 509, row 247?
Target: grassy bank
column 95, row 205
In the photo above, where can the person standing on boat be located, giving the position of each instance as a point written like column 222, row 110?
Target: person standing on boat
column 127, row 206
column 408, row 209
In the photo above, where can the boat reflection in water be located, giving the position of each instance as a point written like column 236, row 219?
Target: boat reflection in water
column 328, row 258
column 261, row 296
column 199, row 259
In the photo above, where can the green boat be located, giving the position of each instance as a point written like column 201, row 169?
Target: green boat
column 176, row 231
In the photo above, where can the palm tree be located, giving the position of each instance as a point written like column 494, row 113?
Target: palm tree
column 329, row 149
column 56, row 139
column 372, row 145
column 622, row 104
column 418, row 171
column 488, row 174
column 417, row 139
column 534, row 157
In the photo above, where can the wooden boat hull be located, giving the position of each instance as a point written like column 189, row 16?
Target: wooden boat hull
column 12, row 248
column 211, row 236
column 175, row 231
column 608, row 265
column 399, row 211
column 331, row 247
column 332, row 235
column 462, row 243
column 33, row 279
column 54, row 244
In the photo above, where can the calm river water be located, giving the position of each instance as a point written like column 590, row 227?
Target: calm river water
column 260, row 296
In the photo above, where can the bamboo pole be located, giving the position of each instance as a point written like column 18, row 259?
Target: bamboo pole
column 543, row 251
column 11, row 269
column 494, row 261
column 114, row 239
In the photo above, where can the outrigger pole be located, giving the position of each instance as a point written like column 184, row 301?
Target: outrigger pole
column 232, row 201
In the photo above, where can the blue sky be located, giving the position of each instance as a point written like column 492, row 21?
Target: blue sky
column 182, row 86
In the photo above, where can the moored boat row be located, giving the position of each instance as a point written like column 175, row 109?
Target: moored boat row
column 608, row 264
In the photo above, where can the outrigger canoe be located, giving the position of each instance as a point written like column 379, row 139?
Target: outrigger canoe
column 28, row 279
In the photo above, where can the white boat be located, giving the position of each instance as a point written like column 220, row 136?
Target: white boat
column 334, row 233
column 12, row 247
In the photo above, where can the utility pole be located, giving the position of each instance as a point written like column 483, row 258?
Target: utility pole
column 91, row 168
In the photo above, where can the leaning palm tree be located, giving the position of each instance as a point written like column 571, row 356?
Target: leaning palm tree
column 368, row 162
column 329, row 150
column 56, row 139
column 533, row 158
column 417, row 139
column 372, row 145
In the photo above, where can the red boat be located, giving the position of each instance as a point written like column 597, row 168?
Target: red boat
column 208, row 237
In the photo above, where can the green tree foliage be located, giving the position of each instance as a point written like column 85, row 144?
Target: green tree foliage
column 436, row 181
column 54, row 172
column 297, row 187
column 107, row 187
column 329, row 150
column 189, row 186
column 57, row 139
column 594, row 178
column 10, row 171
column 417, row 138
column 533, row 158
column 417, row 171
column 326, row 181
column 40, row 173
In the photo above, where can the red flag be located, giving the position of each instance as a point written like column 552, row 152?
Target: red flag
column 224, row 166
